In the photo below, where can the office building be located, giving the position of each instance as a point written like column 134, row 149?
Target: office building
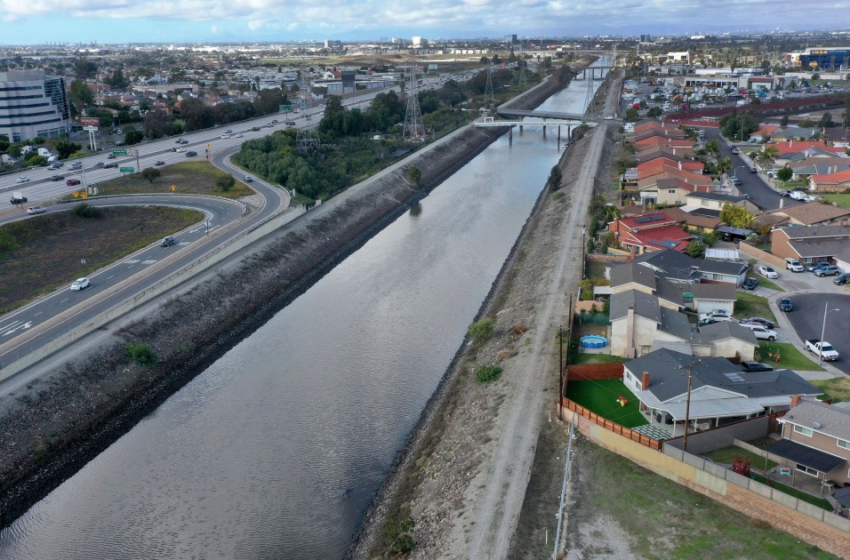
column 32, row 104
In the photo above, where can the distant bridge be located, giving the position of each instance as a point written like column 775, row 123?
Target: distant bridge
column 570, row 124
column 582, row 74
column 507, row 112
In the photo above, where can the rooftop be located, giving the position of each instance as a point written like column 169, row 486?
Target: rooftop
column 821, row 417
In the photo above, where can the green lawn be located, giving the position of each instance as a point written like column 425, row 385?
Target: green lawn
column 790, row 357
column 750, row 305
column 587, row 358
column 799, row 494
column 595, row 269
column 843, row 200
column 727, row 455
column 837, row 389
column 600, row 396
column 765, row 282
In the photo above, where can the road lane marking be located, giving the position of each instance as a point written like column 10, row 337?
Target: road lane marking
column 149, row 261
column 132, row 261
column 24, row 326
column 64, row 300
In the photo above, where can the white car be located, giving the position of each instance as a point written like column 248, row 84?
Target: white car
column 768, row 272
column 36, row 210
column 794, row 265
column 23, row 180
column 717, row 315
column 760, row 332
column 225, row 136
column 239, row 135
column 80, row 284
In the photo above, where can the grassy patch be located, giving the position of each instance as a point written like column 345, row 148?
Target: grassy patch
column 662, row 519
column 750, row 305
column 595, row 269
column 837, row 389
column 727, row 456
column 601, row 395
column 588, row 358
column 764, row 282
column 842, row 200
column 191, row 177
column 789, row 356
column 799, row 494
column 69, row 246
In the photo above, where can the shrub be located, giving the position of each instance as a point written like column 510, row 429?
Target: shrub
column 488, row 374
column 225, row 182
column 482, row 330
column 399, row 539
column 151, row 174
column 142, row 354
column 84, row 210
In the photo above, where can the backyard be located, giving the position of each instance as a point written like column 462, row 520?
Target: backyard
column 602, row 396
column 726, row 455
column 836, row 389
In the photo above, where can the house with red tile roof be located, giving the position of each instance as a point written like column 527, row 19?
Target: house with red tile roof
column 655, row 231
column 661, row 141
column 660, row 165
column 675, row 153
column 832, row 182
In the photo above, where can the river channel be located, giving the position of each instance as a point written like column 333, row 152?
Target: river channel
column 277, row 449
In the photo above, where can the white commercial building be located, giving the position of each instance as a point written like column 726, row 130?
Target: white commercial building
column 32, row 104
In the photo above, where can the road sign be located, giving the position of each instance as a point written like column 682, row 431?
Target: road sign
column 90, row 128
column 127, row 169
column 285, row 108
column 173, row 188
column 90, row 121
column 119, row 152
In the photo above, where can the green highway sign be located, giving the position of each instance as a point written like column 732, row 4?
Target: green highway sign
column 127, row 169
column 119, row 152
column 285, row 108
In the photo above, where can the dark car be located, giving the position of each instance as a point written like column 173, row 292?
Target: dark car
column 167, row 241
column 191, row 154
column 786, row 305
column 750, row 284
column 72, row 182
column 766, row 323
column 56, row 178
column 110, row 165
column 159, row 163
column 704, row 322
column 755, row 366
column 841, row 279
column 110, row 156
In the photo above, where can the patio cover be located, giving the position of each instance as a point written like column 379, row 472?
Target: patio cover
column 812, row 458
column 842, row 496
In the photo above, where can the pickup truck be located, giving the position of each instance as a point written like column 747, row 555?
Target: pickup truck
column 823, row 349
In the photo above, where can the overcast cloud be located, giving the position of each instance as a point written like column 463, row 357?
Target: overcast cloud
column 117, row 21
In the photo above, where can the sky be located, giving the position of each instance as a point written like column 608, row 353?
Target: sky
column 219, row 21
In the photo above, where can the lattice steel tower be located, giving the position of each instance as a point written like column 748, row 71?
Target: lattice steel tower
column 523, row 80
column 489, row 96
column 590, row 109
column 413, row 128
column 307, row 138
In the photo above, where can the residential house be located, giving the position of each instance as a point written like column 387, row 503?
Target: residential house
column 673, row 190
column 720, row 391
column 713, row 296
column 650, row 187
column 831, row 182
column 794, row 150
column 638, row 322
column 723, row 272
column 651, row 232
column 815, row 440
column 671, row 265
column 711, row 204
column 633, row 276
column 812, row 214
column 818, row 166
column 724, row 338
column 671, row 152
column 661, row 141
column 809, row 244
column 693, row 222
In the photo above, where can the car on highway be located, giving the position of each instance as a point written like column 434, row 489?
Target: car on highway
column 159, row 163
column 240, row 135
column 180, row 150
column 110, row 165
column 786, row 305
column 750, row 284
column 841, row 279
column 72, row 182
column 36, row 210
column 794, row 265
column 23, row 180
column 111, row 156
column 768, row 272
column 228, row 131
column 182, row 141
column 225, row 136
column 289, row 124
column 80, row 284
column 76, row 165
column 255, row 128
column 56, row 177
column 766, row 323
column 191, row 154
column 828, row 270
column 248, row 179
column 167, row 241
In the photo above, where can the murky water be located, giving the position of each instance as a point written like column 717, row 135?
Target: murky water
column 277, row 449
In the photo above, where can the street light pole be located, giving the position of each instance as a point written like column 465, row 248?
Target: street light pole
column 823, row 330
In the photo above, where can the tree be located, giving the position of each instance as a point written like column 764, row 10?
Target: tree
column 724, row 165
column 158, row 124
column 632, row 115
column 414, row 175
column 736, row 216
column 66, row 148
column 225, row 182
column 117, row 79
column 151, row 174
column 784, row 121
column 84, row 69
column 81, row 95
column 785, row 174
column 654, row 112
column 826, row 121
column 133, row 136
column 696, row 249
column 815, row 76
column 196, row 114
column 555, row 176
column 713, row 147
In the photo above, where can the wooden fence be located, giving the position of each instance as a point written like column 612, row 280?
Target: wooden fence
column 757, row 253
column 595, row 371
column 612, row 426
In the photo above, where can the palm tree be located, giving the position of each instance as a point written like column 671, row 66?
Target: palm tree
column 723, row 165
column 768, row 154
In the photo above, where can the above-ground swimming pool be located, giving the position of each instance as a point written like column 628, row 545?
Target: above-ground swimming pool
column 593, row 341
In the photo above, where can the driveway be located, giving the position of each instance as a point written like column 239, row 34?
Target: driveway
column 807, row 320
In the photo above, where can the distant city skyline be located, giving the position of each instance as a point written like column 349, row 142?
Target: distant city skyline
column 220, row 21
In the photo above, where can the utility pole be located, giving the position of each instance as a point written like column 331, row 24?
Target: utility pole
column 690, row 368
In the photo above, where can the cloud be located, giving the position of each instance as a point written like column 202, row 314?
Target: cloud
column 216, row 29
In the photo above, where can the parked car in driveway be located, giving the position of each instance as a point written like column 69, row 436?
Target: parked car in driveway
column 828, row 270
column 814, row 266
column 768, row 272
column 717, row 315
column 786, row 305
column 761, row 332
column 766, row 323
column 793, row 265
column 80, row 284
column 750, row 284
column 841, row 279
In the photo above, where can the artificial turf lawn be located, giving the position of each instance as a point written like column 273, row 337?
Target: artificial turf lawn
column 600, row 396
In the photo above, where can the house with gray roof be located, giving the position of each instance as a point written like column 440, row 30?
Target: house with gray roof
column 815, row 440
column 672, row 265
column 721, row 391
column 727, row 272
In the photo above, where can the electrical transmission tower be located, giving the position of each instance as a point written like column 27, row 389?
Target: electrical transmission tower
column 489, row 96
column 413, row 128
column 590, row 110
column 307, row 138
column 523, row 80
